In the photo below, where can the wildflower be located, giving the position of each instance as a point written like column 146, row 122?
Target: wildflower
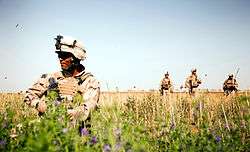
column 55, row 142
column 57, row 102
column 2, row 144
column 60, row 119
column 19, row 126
column 84, row 131
column 218, row 138
column 106, row 148
column 118, row 146
column 93, row 140
column 65, row 130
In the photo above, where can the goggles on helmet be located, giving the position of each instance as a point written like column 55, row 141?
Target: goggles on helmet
column 64, row 55
column 58, row 44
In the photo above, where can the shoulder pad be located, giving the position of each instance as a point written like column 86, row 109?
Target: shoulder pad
column 83, row 77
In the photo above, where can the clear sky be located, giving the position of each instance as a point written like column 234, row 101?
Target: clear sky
column 129, row 42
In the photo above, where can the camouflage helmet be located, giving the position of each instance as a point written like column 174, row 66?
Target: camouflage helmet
column 71, row 45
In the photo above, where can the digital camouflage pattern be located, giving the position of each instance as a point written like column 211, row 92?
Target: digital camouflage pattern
column 84, row 84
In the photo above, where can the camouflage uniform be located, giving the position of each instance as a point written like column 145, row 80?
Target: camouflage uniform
column 67, row 86
column 166, row 85
column 230, row 85
column 192, row 82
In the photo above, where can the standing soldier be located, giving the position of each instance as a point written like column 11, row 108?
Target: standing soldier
column 192, row 82
column 230, row 85
column 166, row 85
column 71, row 81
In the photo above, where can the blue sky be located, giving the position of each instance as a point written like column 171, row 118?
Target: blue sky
column 129, row 43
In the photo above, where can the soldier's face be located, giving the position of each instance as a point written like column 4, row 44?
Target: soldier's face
column 66, row 59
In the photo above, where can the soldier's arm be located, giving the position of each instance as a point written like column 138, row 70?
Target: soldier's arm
column 188, row 82
column 91, row 92
column 225, row 83
column 161, row 82
column 170, row 83
column 36, row 91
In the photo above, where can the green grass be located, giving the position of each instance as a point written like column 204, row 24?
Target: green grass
column 149, row 123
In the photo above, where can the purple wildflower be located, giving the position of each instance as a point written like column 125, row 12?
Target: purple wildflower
column 2, row 143
column 84, row 132
column 118, row 146
column 57, row 102
column 218, row 138
column 93, row 140
column 106, row 148
column 65, row 130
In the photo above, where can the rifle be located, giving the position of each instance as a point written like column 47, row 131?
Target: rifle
column 235, row 78
column 237, row 72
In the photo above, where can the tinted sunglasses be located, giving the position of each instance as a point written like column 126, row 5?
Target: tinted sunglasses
column 64, row 55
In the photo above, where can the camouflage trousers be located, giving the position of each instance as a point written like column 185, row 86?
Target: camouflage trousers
column 165, row 91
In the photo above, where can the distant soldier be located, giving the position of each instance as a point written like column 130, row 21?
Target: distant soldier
column 166, row 85
column 230, row 85
column 192, row 82
column 71, row 81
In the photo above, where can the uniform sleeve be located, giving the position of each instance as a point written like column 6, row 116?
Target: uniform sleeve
column 36, row 91
column 92, row 94
column 90, row 89
column 199, row 80
column 225, row 83
column 170, row 83
column 161, row 82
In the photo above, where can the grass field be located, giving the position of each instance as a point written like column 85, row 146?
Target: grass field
column 131, row 121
